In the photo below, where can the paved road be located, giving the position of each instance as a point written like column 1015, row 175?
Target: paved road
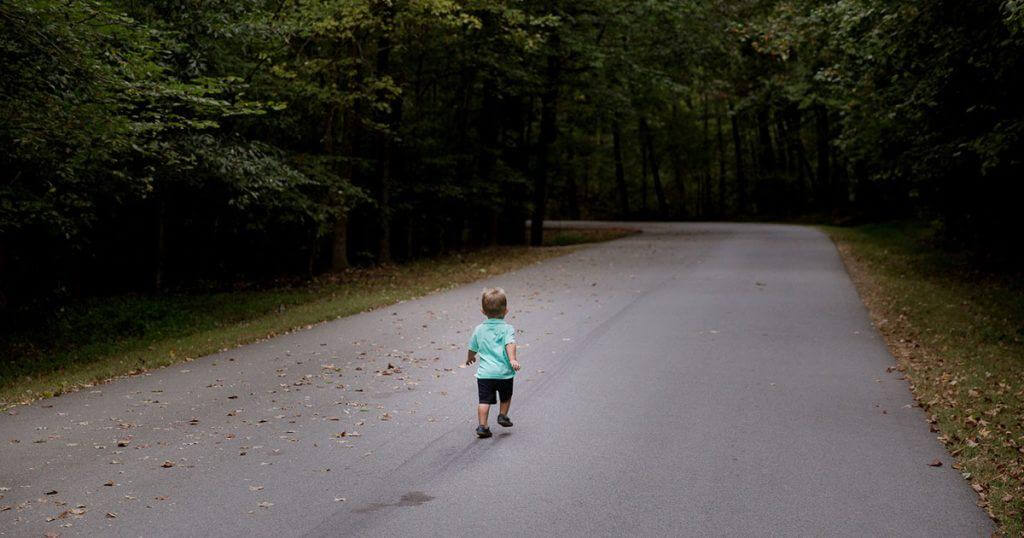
column 695, row 379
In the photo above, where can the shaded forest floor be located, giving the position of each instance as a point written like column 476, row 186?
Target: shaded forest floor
column 103, row 338
column 957, row 331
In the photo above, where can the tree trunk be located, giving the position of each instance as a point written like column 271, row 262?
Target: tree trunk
column 548, row 133
column 487, row 158
column 678, row 175
column 643, row 177
column 351, row 127
column 4, row 282
column 383, row 138
column 339, row 244
column 571, row 202
column 721, row 166
column 652, row 156
column 161, row 246
column 824, row 175
column 620, row 174
column 741, row 176
column 782, row 142
column 705, row 188
column 765, row 141
column 803, row 166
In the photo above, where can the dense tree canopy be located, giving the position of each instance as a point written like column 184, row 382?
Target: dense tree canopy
column 182, row 142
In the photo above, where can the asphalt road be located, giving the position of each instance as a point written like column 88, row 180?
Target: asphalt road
column 696, row 379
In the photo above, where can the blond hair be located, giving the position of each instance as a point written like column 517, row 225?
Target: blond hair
column 493, row 302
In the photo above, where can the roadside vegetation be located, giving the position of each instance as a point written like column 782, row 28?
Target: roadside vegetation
column 957, row 330
column 99, row 339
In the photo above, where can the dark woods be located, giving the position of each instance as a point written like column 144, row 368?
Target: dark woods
column 160, row 145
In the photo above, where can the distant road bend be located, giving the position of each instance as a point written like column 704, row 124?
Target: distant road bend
column 695, row 379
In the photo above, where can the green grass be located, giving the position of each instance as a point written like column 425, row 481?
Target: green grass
column 96, row 340
column 958, row 333
column 571, row 236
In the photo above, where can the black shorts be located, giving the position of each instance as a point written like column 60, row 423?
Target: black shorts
column 487, row 387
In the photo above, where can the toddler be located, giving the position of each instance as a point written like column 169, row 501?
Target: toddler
column 494, row 344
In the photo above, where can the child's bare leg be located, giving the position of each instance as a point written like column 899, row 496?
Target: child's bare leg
column 481, row 412
column 503, row 408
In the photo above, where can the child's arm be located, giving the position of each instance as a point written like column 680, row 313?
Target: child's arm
column 471, row 357
column 510, row 348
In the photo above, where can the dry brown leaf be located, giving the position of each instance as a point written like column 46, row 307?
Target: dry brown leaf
column 935, row 463
column 167, row 464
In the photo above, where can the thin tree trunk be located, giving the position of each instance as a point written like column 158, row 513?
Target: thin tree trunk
column 765, row 141
column 678, row 175
column 783, row 142
column 643, row 177
column 350, row 134
column 620, row 174
column 741, row 176
column 652, row 155
column 161, row 246
column 803, row 167
column 824, row 176
column 705, row 194
column 487, row 128
column 339, row 245
column 548, row 134
column 572, row 203
column 721, row 166
column 4, row 283
column 383, row 139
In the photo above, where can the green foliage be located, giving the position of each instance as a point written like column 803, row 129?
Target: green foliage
column 238, row 139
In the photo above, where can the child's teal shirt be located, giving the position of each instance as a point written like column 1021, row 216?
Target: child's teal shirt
column 488, row 341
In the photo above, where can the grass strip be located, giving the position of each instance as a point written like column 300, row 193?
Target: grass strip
column 104, row 338
column 957, row 332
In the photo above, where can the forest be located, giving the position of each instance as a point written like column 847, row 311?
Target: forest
column 176, row 144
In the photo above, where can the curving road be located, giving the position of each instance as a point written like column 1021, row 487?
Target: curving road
column 696, row 379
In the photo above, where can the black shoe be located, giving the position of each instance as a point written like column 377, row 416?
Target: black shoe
column 483, row 432
column 504, row 421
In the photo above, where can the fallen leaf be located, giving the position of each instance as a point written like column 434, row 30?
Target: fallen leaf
column 168, row 464
column 1007, row 498
column 255, row 488
column 111, row 515
column 51, row 492
column 266, row 504
column 339, row 499
column 935, row 463
column 108, row 483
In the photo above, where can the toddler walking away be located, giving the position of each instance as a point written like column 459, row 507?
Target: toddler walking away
column 494, row 344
